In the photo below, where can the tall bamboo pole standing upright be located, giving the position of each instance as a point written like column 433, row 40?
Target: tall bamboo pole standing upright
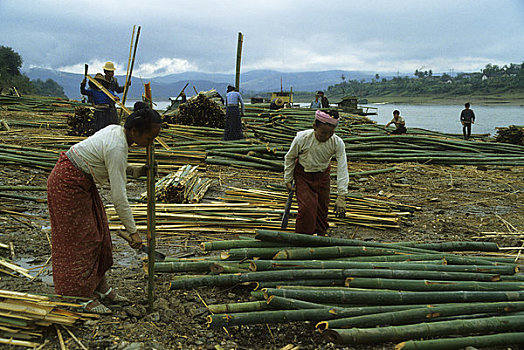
column 130, row 68
column 239, row 58
column 151, row 202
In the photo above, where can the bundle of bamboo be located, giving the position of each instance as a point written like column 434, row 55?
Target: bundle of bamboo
column 243, row 211
column 198, row 111
column 512, row 134
column 24, row 316
column 182, row 186
column 408, row 300
column 81, row 122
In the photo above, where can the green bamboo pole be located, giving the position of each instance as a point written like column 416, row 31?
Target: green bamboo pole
column 430, row 285
column 302, row 282
column 334, row 252
column 458, row 246
column 384, row 297
column 238, row 307
column 299, row 239
column 249, row 253
column 277, row 302
column 419, row 315
column 240, row 243
column 442, row 328
column 284, row 275
column 183, row 266
column 451, row 259
column 479, row 341
column 265, row 265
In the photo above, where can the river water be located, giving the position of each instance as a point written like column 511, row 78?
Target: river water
column 447, row 118
column 439, row 117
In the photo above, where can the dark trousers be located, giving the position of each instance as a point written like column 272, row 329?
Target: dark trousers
column 233, row 127
column 466, row 130
column 401, row 129
column 313, row 200
column 103, row 118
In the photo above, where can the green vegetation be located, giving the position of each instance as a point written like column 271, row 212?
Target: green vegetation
column 493, row 84
column 10, row 76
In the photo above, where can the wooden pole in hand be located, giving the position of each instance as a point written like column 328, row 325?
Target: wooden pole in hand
column 239, row 57
column 110, row 95
column 151, row 202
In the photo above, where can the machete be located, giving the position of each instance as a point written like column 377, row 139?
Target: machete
column 158, row 256
column 287, row 208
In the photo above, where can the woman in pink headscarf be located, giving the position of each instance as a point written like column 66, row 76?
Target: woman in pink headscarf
column 308, row 163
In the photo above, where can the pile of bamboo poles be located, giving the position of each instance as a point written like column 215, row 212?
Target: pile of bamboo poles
column 182, row 186
column 37, row 104
column 350, row 287
column 198, row 111
column 512, row 134
column 23, row 318
column 241, row 211
column 81, row 123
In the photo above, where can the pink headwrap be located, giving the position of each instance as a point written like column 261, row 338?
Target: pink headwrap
column 325, row 118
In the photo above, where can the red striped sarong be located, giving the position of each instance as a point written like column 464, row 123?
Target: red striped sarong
column 81, row 242
column 313, row 200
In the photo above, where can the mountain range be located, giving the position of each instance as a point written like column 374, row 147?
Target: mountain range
column 253, row 82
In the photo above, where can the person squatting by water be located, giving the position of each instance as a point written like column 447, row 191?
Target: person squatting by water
column 399, row 122
column 233, row 127
column 308, row 163
column 467, row 117
column 81, row 242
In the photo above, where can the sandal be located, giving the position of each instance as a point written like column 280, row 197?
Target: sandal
column 97, row 309
column 116, row 298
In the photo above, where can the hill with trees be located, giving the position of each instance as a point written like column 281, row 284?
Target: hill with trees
column 10, row 76
column 491, row 80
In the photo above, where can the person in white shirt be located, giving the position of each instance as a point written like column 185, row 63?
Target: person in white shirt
column 308, row 163
column 81, row 242
column 399, row 122
column 233, row 127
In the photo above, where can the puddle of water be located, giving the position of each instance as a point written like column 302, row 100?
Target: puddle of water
column 34, row 268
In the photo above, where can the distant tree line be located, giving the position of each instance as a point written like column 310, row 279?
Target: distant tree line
column 491, row 79
column 10, row 76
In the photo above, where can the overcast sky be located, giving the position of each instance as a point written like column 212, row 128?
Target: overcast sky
column 285, row 35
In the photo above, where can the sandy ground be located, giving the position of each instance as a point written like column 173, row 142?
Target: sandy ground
column 458, row 203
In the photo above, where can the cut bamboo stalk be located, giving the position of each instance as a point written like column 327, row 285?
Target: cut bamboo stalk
column 419, row 315
column 442, row 328
column 481, row 341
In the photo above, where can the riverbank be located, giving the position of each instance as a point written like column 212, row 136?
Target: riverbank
column 510, row 99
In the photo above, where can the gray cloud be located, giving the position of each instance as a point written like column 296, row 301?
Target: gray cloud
column 291, row 35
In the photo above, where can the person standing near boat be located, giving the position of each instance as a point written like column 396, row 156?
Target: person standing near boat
column 234, row 114
column 308, row 163
column 81, row 242
column 467, row 117
column 399, row 122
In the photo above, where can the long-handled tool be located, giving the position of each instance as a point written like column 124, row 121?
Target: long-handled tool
column 158, row 256
column 287, row 208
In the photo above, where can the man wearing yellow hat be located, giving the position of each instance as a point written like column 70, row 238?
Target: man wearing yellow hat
column 109, row 72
